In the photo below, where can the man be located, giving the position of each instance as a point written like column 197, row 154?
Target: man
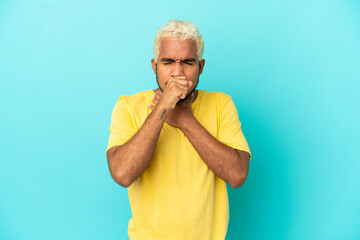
column 175, row 147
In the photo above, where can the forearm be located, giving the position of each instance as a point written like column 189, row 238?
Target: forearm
column 223, row 160
column 130, row 160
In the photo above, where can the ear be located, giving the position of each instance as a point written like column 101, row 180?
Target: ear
column 202, row 64
column 153, row 65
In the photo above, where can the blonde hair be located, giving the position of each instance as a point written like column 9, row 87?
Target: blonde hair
column 181, row 30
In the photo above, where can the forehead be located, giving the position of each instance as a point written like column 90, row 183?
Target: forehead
column 177, row 49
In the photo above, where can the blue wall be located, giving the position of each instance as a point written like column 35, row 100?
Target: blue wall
column 292, row 68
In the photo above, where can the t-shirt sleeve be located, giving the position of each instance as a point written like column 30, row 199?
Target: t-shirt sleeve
column 121, row 128
column 230, row 132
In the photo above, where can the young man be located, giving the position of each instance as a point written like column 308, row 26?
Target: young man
column 175, row 147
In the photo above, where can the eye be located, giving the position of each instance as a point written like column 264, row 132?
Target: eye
column 167, row 63
column 188, row 62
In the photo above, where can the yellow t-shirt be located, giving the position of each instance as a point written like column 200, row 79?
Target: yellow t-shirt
column 178, row 196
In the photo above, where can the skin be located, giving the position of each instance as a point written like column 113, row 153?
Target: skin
column 178, row 70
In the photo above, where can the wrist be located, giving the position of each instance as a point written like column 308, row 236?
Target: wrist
column 162, row 111
column 163, row 106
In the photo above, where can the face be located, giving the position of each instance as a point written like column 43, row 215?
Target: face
column 177, row 58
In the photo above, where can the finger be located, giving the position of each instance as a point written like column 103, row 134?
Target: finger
column 151, row 107
column 182, row 96
column 180, row 81
column 182, row 92
column 183, row 82
column 155, row 101
column 157, row 96
column 177, row 88
column 180, row 77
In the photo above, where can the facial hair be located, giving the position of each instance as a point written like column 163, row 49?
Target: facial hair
column 187, row 96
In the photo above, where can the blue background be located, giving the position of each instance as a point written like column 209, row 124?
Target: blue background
column 292, row 68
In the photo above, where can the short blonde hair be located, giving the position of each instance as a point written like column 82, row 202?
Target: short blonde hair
column 181, row 30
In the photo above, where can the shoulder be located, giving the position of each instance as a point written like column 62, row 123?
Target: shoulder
column 215, row 97
column 135, row 103
column 135, row 99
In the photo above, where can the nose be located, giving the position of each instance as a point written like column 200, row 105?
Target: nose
column 178, row 69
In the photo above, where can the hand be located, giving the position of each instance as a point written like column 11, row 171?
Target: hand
column 176, row 88
column 179, row 116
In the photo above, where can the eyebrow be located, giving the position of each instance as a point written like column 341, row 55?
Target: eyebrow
column 172, row 60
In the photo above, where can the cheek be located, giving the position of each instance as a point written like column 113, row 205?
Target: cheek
column 162, row 71
column 192, row 74
column 162, row 77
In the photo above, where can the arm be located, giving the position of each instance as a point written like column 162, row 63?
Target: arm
column 128, row 161
column 229, row 164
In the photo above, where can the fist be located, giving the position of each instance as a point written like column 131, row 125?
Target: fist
column 178, row 116
column 176, row 88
